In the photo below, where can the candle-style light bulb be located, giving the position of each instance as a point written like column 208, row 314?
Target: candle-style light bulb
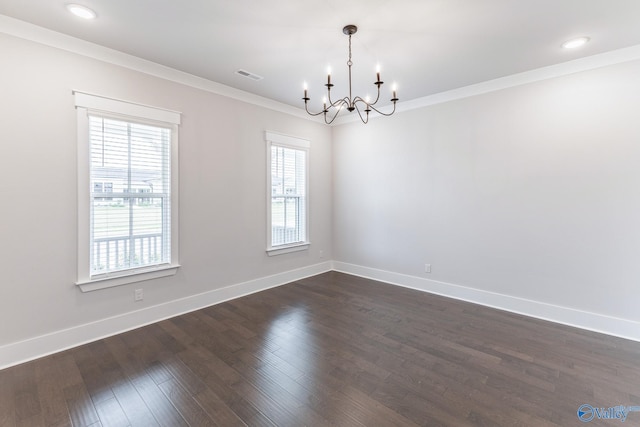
column 378, row 72
column 328, row 75
column 324, row 103
column 304, row 85
column 395, row 88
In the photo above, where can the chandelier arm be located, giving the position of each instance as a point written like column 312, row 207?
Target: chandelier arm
column 378, row 95
column 333, row 118
column 310, row 113
column 381, row 113
column 337, row 105
column 365, row 121
column 331, row 103
column 340, row 102
column 359, row 99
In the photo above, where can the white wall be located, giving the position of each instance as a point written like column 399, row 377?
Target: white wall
column 529, row 193
column 222, row 191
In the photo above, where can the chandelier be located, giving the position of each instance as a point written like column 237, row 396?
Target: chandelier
column 350, row 103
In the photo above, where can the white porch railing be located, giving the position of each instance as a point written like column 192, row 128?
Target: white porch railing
column 283, row 235
column 117, row 253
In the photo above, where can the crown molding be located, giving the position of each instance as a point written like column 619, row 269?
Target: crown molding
column 545, row 73
column 27, row 31
column 24, row 30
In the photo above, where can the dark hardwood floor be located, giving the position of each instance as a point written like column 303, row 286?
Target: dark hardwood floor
column 331, row 350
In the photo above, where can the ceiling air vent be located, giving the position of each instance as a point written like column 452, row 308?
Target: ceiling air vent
column 249, row 75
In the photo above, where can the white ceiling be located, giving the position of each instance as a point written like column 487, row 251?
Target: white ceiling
column 425, row 46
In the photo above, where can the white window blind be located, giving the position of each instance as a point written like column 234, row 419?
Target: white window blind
column 288, row 191
column 130, row 200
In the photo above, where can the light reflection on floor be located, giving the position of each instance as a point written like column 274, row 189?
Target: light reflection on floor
column 293, row 356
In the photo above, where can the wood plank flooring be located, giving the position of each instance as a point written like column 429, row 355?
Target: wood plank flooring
column 332, row 349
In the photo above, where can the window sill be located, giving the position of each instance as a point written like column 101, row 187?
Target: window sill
column 123, row 278
column 279, row 250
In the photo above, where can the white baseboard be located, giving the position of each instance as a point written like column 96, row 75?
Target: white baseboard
column 33, row 348
column 622, row 328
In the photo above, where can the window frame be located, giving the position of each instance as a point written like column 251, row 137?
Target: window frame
column 87, row 104
column 280, row 140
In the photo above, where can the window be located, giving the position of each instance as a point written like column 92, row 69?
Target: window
column 288, row 193
column 130, row 152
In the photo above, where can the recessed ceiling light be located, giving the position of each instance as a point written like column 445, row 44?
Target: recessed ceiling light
column 575, row 43
column 81, row 11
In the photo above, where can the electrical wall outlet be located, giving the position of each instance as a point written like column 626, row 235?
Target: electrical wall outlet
column 321, row 254
column 138, row 295
column 427, row 268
